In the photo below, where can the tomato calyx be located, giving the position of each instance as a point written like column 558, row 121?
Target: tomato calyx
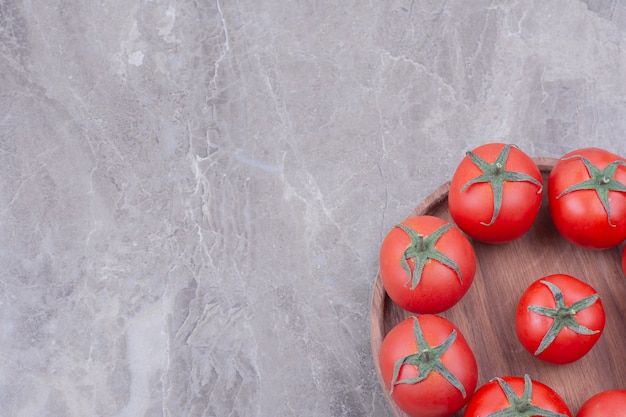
column 426, row 360
column 495, row 174
column 562, row 315
column 421, row 249
column 521, row 406
column 601, row 181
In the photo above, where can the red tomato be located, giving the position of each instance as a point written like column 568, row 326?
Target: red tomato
column 426, row 264
column 587, row 198
column 495, row 193
column 428, row 367
column 559, row 318
column 519, row 396
column 610, row 403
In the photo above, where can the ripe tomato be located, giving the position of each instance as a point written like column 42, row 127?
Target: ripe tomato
column 559, row 318
column 426, row 264
column 610, row 403
column 428, row 367
column 495, row 193
column 587, row 198
column 521, row 397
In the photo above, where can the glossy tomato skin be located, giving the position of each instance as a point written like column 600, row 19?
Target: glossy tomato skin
column 473, row 208
column 439, row 286
column 579, row 216
column 568, row 346
column 433, row 396
column 490, row 398
column 611, row 403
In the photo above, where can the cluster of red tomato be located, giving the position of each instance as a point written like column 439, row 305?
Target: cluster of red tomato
column 428, row 264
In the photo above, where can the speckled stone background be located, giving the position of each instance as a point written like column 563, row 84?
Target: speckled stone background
column 193, row 193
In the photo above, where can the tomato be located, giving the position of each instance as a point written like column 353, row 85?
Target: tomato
column 495, row 193
column 559, row 318
column 428, row 367
column 426, row 264
column 611, row 403
column 587, row 198
column 520, row 397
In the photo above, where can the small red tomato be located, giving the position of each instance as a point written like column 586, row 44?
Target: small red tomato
column 495, row 193
column 587, row 198
column 559, row 318
column 516, row 396
column 428, row 367
column 426, row 264
column 610, row 403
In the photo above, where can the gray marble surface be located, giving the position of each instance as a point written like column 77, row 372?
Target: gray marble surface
column 193, row 193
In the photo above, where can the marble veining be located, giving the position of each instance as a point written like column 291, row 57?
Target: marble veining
column 192, row 194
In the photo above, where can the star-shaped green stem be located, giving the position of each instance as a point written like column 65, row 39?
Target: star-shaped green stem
column 496, row 175
column 427, row 359
column 421, row 249
column 602, row 181
column 522, row 406
column 562, row 315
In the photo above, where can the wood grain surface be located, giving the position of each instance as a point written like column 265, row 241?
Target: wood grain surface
column 486, row 315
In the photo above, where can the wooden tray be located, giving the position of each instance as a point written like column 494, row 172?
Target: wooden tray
column 486, row 315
